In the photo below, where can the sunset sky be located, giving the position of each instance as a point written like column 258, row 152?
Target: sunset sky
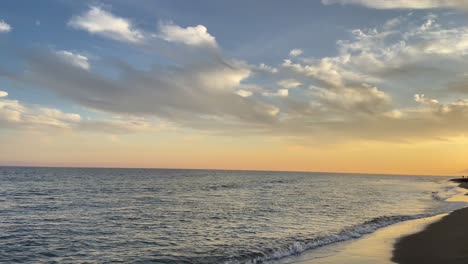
column 373, row 86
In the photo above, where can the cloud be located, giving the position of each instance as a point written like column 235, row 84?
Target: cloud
column 122, row 125
column 329, row 71
column 420, row 98
column 295, row 52
column 402, row 4
column 457, row 108
column 191, row 93
column 15, row 114
column 75, row 59
column 191, row 36
column 392, row 23
column 344, row 102
column 4, row 27
column 421, row 54
column 364, row 92
column 412, row 124
column 223, row 77
column 289, row 83
column 265, row 68
column 279, row 92
column 100, row 22
column 244, row 93
column 369, row 100
column 20, row 116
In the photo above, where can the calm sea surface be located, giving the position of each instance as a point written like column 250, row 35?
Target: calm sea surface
column 69, row 215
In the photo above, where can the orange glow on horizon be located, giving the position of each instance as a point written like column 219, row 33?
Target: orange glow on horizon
column 253, row 153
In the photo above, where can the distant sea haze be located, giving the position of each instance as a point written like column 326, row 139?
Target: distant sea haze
column 72, row 215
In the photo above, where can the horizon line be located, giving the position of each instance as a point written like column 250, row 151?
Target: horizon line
column 212, row 169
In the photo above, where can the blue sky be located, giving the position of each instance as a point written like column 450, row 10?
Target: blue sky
column 302, row 72
column 257, row 32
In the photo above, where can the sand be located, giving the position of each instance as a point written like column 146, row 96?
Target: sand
column 441, row 242
column 437, row 239
column 374, row 248
column 445, row 241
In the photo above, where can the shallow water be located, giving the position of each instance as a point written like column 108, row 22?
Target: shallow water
column 71, row 215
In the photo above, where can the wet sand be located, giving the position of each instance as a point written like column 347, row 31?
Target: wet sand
column 374, row 248
column 441, row 242
column 445, row 241
column 436, row 239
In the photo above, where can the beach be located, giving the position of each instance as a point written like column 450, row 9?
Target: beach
column 435, row 239
column 440, row 242
column 374, row 248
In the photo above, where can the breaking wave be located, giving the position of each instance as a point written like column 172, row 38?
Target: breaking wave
column 355, row 232
column 346, row 234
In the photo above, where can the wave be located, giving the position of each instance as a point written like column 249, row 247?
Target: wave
column 446, row 192
column 355, row 231
column 346, row 234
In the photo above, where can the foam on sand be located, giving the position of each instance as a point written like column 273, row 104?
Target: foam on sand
column 375, row 248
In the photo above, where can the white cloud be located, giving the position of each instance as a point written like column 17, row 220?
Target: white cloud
column 402, row 4
column 420, row 98
column 15, row 114
column 75, row 59
column 367, row 100
column 192, row 36
column 295, row 52
column 434, row 109
column 244, row 93
column 378, row 56
column 279, row 93
column 223, row 78
column 282, row 92
column 394, row 114
column 289, row 83
column 4, row 27
column 265, row 68
column 3, row 94
column 101, row 22
column 20, row 116
column 273, row 110
column 332, row 71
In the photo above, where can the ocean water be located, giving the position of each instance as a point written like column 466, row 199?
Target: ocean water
column 73, row 215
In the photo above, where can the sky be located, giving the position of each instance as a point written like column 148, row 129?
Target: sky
column 370, row 86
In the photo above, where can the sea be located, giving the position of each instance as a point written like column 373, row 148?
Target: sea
column 98, row 215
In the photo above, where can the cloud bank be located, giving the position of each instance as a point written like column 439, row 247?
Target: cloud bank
column 370, row 90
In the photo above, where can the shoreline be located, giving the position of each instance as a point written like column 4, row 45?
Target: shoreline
column 372, row 248
column 440, row 242
column 379, row 247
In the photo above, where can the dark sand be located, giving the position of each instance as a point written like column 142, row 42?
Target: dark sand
column 463, row 182
column 443, row 242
